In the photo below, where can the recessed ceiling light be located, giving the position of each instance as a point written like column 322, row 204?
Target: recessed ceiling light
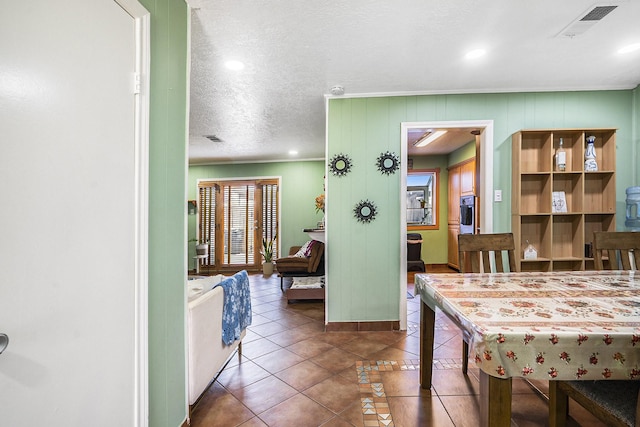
column 476, row 53
column 293, row 153
column 630, row 48
column 234, row 65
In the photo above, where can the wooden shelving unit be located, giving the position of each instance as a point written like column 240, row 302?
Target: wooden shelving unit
column 560, row 238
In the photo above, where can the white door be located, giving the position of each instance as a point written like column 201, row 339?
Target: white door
column 67, row 216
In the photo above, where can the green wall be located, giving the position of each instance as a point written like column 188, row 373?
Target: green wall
column 301, row 182
column 167, row 174
column 363, row 260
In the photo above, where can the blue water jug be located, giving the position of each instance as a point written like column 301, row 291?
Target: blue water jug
column 632, row 221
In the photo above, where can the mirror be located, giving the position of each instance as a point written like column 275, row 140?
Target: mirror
column 388, row 163
column 365, row 211
column 422, row 199
column 340, row 165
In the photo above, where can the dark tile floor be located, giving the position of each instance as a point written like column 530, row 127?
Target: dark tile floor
column 292, row 373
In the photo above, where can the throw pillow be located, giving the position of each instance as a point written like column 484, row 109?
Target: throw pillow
column 305, row 250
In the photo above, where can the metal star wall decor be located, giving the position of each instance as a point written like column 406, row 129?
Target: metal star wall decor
column 340, row 164
column 388, row 163
column 365, row 211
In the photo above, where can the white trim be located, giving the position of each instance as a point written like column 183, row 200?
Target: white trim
column 252, row 162
column 142, row 21
column 327, row 286
column 477, row 91
column 486, row 189
column 186, row 217
column 248, row 178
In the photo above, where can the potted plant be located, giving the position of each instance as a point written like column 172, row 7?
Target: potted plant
column 267, row 255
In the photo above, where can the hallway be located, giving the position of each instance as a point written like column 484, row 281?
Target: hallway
column 292, row 373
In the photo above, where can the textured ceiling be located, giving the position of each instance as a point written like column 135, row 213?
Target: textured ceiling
column 295, row 51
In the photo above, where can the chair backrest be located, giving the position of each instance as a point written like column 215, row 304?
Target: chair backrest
column 472, row 247
column 619, row 246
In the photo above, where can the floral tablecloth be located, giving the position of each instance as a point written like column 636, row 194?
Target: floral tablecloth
column 550, row 325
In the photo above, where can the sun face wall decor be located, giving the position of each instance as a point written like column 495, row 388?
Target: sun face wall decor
column 340, row 164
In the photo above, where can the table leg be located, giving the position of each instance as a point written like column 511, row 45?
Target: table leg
column 495, row 401
column 558, row 405
column 427, row 325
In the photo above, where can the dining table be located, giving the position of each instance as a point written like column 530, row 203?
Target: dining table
column 556, row 325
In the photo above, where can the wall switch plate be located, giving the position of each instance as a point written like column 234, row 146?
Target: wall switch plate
column 497, row 195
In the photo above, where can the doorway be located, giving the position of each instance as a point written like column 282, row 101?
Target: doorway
column 235, row 216
column 484, row 178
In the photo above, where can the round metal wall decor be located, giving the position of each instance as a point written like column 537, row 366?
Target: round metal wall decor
column 340, row 164
column 365, row 211
column 388, row 163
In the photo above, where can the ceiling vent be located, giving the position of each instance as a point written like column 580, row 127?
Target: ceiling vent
column 213, row 138
column 587, row 20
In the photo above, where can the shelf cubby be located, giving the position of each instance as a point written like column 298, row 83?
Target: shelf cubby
column 567, row 237
column 571, row 184
column 598, row 222
column 535, row 193
column 599, row 192
column 535, row 230
column 572, row 142
column 536, row 151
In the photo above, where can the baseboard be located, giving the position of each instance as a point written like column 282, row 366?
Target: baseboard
column 386, row 325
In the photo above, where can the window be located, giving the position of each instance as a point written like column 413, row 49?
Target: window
column 234, row 218
column 422, row 199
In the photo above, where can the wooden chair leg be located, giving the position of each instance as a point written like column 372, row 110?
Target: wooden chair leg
column 465, row 356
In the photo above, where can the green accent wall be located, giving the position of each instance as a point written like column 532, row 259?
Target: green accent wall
column 300, row 183
column 167, row 210
column 364, row 259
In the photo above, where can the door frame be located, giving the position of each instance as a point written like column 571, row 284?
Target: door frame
column 141, row 87
column 484, row 170
column 257, row 242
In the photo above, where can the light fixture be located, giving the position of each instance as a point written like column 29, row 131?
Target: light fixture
column 234, row 65
column 429, row 137
column 476, row 53
column 630, row 48
column 293, row 153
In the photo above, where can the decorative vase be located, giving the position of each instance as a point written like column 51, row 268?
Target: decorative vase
column 202, row 249
column 590, row 164
column 267, row 268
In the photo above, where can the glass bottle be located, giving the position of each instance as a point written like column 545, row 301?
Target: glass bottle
column 561, row 158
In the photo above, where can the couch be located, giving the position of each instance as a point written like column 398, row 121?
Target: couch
column 207, row 354
column 306, row 260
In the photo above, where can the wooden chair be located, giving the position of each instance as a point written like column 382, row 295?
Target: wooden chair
column 618, row 246
column 616, row 403
column 490, row 249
